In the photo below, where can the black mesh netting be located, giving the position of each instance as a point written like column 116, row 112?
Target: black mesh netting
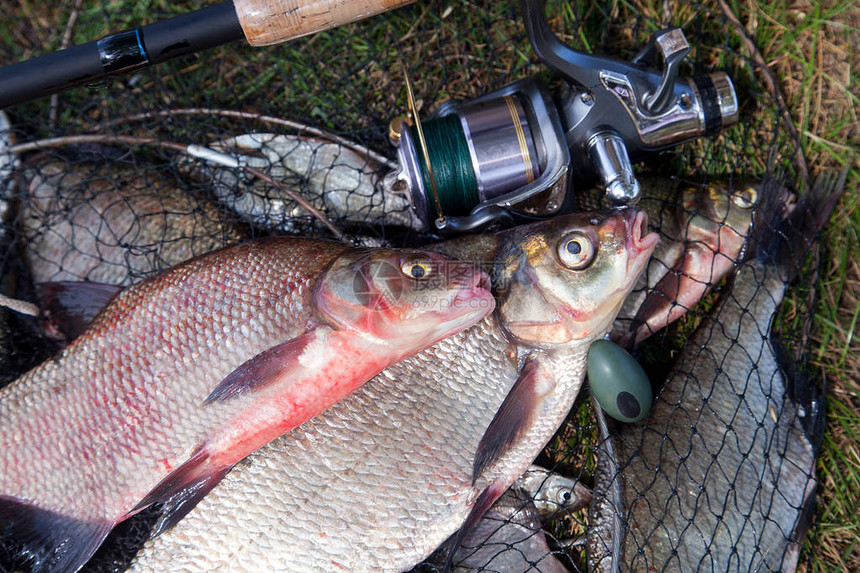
column 103, row 189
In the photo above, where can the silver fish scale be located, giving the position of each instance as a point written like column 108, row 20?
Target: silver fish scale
column 164, row 366
column 370, row 484
column 735, row 466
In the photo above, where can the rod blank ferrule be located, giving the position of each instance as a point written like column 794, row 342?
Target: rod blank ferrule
column 119, row 53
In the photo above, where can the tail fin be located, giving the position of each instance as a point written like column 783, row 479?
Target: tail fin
column 784, row 235
column 54, row 543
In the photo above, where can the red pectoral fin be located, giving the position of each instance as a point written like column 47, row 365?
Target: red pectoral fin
column 184, row 487
column 682, row 287
column 262, row 370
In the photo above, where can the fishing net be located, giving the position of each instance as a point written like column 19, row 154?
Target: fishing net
column 104, row 188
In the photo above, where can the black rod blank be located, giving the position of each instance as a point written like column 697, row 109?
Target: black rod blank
column 119, row 53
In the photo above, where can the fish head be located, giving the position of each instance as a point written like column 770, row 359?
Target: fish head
column 553, row 492
column 563, row 280
column 720, row 215
column 411, row 298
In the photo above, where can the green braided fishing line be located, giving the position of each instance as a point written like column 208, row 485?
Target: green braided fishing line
column 452, row 165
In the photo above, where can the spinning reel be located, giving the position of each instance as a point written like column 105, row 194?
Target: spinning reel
column 514, row 150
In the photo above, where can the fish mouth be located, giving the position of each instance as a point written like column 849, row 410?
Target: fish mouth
column 640, row 241
column 476, row 289
column 480, row 281
column 472, row 301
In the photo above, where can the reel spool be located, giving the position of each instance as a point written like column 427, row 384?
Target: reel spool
column 485, row 155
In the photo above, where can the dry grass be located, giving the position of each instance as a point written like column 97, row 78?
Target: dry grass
column 813, row 49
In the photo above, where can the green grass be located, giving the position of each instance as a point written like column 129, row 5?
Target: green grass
column 837, row 352
column 349, row 80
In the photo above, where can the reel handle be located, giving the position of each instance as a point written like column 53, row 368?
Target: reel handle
column 615, row 112
column 267, row 22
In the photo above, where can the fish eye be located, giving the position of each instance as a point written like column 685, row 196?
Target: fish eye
column 417, row 269
column 745, row 199
column 575, row 251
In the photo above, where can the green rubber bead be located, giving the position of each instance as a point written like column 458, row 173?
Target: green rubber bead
column 618, row 382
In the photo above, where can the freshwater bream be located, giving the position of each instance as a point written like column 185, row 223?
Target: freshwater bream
column 184, row 374
column 381, row 479
column 720, row 475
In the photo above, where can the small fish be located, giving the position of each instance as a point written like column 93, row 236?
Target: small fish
column 553, row 493
column 509, row 537
column 184, row 374
column 381, row 479
column 342, row 180
column 721, row 476
column 704, row 230
column 112, row 223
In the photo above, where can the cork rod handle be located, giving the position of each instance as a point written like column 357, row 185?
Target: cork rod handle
column 273, row 21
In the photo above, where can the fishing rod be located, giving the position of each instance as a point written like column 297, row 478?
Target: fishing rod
column 259, row 22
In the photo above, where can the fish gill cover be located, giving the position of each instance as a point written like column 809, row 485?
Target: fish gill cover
column 101, row 187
